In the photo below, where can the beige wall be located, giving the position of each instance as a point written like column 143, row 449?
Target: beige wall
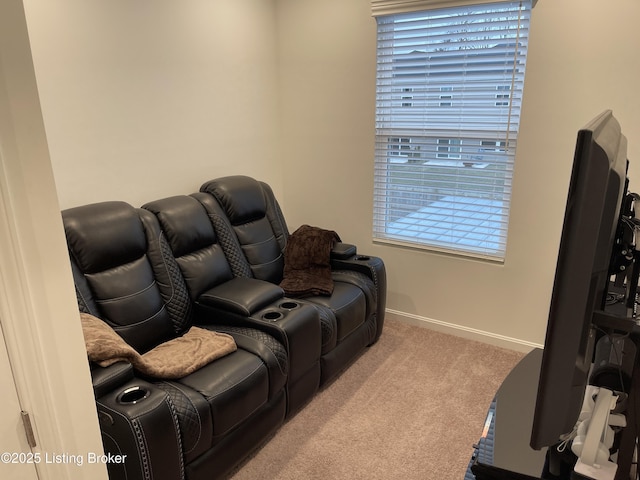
column 38, row 309
column 582, row 59
column 150, row 98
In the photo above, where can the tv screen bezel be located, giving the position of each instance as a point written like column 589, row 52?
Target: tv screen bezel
column 596, row 191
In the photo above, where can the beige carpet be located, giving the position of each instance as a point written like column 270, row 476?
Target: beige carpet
column 410, row 408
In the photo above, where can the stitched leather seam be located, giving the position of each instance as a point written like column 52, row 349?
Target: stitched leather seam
column 176, row 427
column 86, row 304
column 123, row 297
column 346, row 305
column 233, row 386
column 194, row 408
column 109, row 376
column 272, row 237
column 267, row 263
column 273, row 352
column 227, row 301
column 148, row 319
column 166, row 267
column 142, row 440
column 126, row 419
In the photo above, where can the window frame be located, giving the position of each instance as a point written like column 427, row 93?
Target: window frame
column 473, row 154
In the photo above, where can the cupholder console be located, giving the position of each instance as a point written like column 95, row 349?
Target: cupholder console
column 133, row 395
column 300, row 324
column 137, row 424
column 289, row 305
column 272, row 315
column 283, row 308
column 262, row 305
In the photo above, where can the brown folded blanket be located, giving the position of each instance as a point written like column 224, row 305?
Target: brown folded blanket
column 173, row 359
column 307, row 267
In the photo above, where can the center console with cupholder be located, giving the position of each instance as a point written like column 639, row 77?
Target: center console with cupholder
column 137, row 417
column 250, row 302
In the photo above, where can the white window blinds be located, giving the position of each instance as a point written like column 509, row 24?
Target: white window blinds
column 449, row 91
column 390, row 7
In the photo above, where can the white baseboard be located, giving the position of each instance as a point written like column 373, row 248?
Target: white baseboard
column 464, row 332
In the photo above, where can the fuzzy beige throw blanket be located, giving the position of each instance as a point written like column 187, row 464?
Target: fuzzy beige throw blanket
column 173, row 359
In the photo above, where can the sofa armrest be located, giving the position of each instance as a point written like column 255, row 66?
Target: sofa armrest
column 236, row 302
column 241, row 296
column 106, row 379
column 140, row 432
column 343, row 251
column 374, row 268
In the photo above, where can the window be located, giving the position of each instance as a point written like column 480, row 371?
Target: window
column 448, row 148
column 502, row 99
column 406, row 97
column 445, row 99
column 398, row 147
column 449, row 91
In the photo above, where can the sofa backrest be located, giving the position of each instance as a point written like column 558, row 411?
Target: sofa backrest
column 124, row 273
column 251, row 212
column 193, row 242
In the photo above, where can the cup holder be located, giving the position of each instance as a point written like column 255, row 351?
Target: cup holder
column 133, row 395
column 272, row 316
column 289, row 305
column 363, row 258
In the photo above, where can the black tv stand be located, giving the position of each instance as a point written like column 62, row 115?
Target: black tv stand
column 503, row 452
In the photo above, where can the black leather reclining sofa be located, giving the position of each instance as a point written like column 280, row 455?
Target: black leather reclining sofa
column 212, row 259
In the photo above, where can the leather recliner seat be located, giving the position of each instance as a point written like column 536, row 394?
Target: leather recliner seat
column 239, row 302
column 246, row 213
column 200, row 425
column 213, row 259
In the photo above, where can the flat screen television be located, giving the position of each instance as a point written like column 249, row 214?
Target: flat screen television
column 591, row 224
